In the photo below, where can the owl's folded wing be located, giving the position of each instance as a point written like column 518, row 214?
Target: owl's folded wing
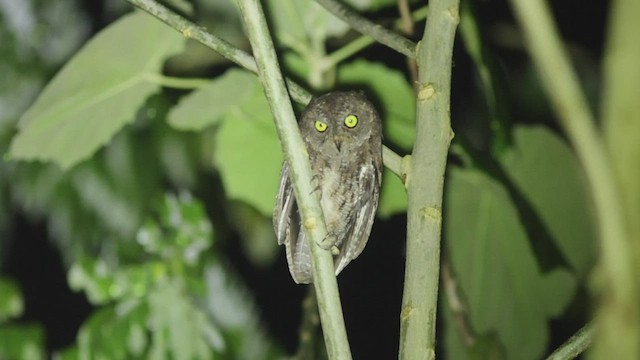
column 356, row 239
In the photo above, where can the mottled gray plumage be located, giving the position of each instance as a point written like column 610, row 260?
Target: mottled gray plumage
column 343, row 135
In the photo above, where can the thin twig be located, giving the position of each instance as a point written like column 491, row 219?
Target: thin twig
column 426, row 182
column 324, row 278
column 407, row 28
column 384, row 36
column 363, row 41
column 575, row 346
column 456, row 304
column 310, row 324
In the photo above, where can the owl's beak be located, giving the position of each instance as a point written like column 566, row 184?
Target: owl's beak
column 338, row 142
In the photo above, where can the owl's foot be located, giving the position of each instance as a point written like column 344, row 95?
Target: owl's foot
column 315, row 183
column 329, row 242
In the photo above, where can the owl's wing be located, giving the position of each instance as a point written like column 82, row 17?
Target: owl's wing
column 367, row 203
column 285, row 207
column 286, row 223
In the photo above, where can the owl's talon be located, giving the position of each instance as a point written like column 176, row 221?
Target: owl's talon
column 329, row 242
column 335, row 251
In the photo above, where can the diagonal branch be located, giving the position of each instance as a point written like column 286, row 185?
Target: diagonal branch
column 576, row 344
column 384, row 36
column 324, row 278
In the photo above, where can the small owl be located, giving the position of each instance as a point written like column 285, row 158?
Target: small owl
column 343, row 135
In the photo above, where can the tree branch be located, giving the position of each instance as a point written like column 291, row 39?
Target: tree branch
column 575, row 346
column 387, row 37
column 426, row 182
column 324, row 278
column 363, row 41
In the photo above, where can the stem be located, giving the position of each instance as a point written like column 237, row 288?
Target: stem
column 575, row 346
column 619, row 320
column 387, row 37
column 177, row 83
column 324, row 278
column 365, row 40
column 426, row 182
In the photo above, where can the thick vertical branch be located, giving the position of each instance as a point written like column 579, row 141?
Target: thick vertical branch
column 296, row 155
column 426, row 181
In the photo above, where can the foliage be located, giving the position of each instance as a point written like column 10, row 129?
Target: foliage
column 111, row 138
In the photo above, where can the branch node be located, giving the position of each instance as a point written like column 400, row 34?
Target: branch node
column 431, row 212
column 426, row 92
column 310, row 223
column 454, row 14
column 406, row 312
column 405, row 170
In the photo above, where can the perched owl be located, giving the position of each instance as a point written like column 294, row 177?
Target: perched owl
column 343, row 135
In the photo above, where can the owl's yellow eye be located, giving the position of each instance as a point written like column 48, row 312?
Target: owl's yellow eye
column 320, row 126
column 351, row 121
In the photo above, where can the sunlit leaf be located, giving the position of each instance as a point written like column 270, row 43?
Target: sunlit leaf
column 393, row 94
column 547, row 173
column 97, row 92
column 496, row 268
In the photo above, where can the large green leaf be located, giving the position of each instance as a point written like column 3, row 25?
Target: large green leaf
column 547, row 173
column 395, row 96
column 208, row 105
column 97, row 92
column 496, row 268
column 248, row 153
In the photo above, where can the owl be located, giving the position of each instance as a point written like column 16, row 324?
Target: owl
column 343, row 135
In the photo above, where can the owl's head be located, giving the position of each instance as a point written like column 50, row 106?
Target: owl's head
column 340, row 121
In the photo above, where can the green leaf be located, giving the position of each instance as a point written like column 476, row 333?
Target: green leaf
column 393, row 195
column 179, row 329
column 97, row 92
column 22, row 342
column 114, row 332
column 248, row 153
column 549, row 176
column 496, row 268
column 207, row 105
column 183, row 232
column 396, row 100
column 11, row 302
